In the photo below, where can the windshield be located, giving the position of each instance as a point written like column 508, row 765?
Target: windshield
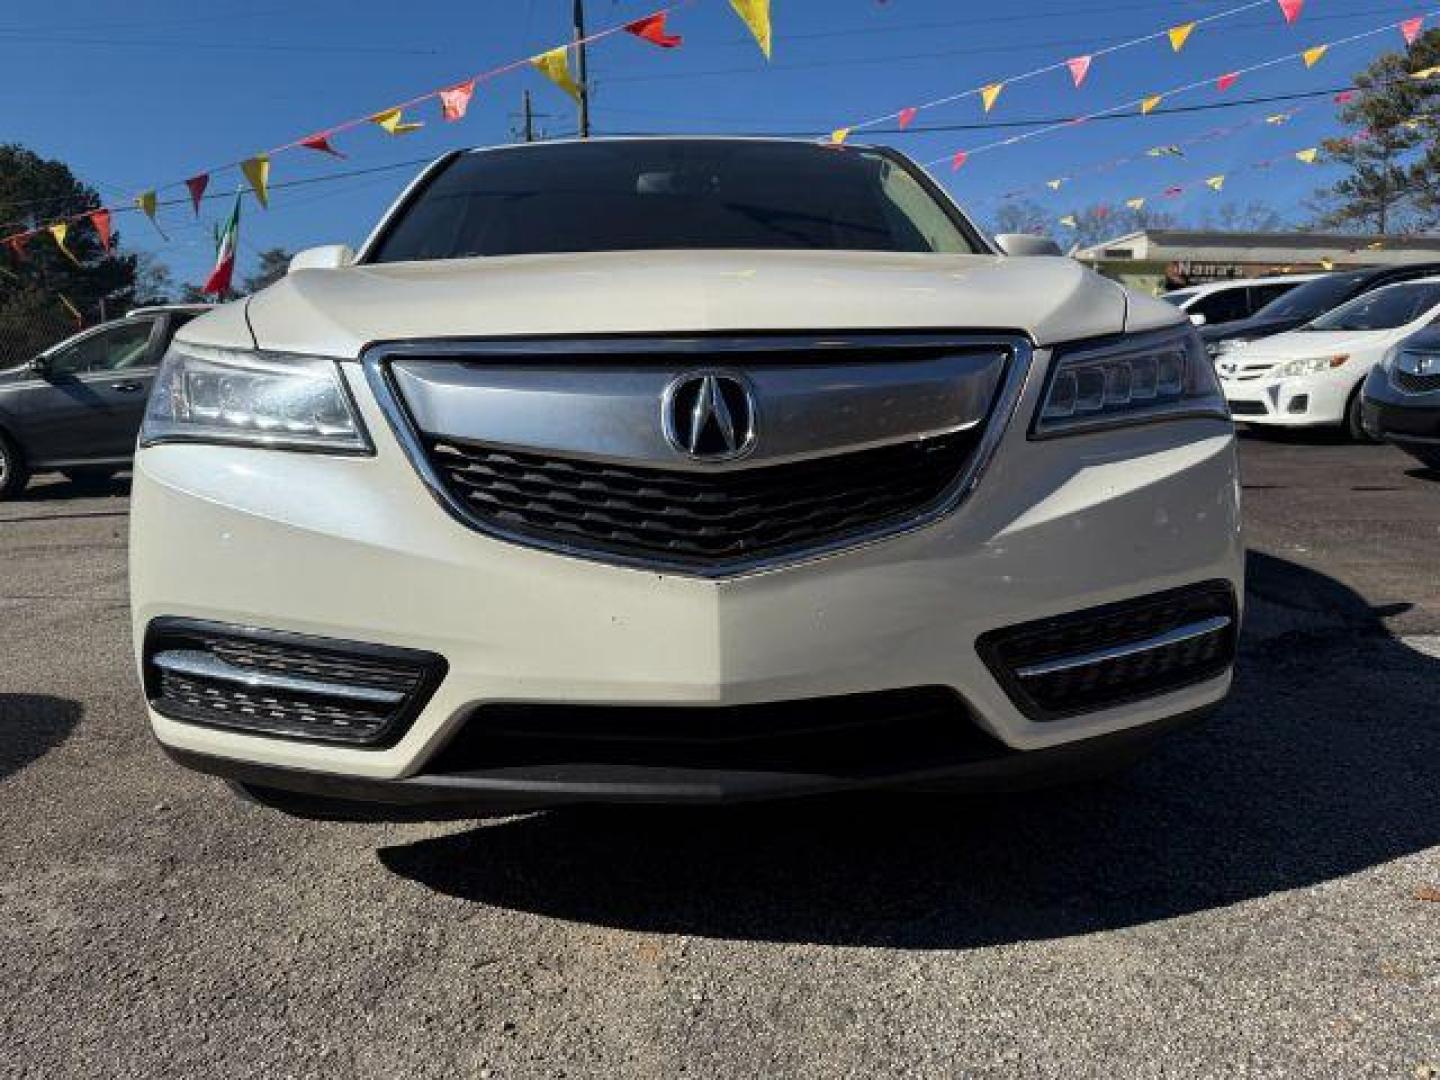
column 1311, row 299
column 1383, row 309
column 676, row 194
column 1179, row 296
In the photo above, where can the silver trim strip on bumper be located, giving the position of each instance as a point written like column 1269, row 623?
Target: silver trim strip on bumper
column 1119, row 652
column 203, row 665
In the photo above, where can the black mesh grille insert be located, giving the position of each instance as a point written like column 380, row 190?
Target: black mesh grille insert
column 1125, row 675
column 855, row 735
column 1414, row 384
column 699, row 517
column 287, row 685
column 1247, row 408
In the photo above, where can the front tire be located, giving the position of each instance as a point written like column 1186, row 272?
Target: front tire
column 1354, row 422
column 14, row 473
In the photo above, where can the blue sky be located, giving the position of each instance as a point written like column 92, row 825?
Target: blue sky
column 146, row 93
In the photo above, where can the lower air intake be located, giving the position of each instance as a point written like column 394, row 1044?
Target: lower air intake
column 286, row 685
column 1118, row 653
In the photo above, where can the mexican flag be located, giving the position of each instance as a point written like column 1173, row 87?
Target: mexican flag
column 219, row 280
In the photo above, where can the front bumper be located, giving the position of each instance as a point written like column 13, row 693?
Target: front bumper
column 1409, row 420
column 1306, row 401
column 356, row 549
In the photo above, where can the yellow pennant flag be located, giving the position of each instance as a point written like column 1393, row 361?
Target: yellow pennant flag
column 394, row 123
column 555, row 66
column 58, row 231
column 1308, row 156
column 839, row 135
column 1425, row 73
column 73, row 310
column 1179, row 35
column 257, row 172
column 990, row 94
column 148, row 205
column 1068, row 221
column 1412, row 125
column 1148, row 105
column 1313, row 56
column 1278, row 118
column 1135, row 204
column 1376, row 245
column 756, row 14
column 1216, row 183
column 1327, row 263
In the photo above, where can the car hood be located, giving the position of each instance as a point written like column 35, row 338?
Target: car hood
column 1303, row 343
column 340, row 312
column 1248, row 328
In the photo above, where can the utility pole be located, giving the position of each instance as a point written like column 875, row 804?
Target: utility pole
column 580, row 69
column 529, row 119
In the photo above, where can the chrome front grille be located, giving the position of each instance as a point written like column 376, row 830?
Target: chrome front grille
column 565, row 445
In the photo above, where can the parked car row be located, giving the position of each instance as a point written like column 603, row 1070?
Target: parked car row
column 1354, row 349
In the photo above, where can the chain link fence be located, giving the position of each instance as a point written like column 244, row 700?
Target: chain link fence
column 31, row 322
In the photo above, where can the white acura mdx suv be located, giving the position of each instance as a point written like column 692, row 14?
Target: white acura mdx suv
column 679, row 470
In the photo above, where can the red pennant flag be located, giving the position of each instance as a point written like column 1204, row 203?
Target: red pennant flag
column 101, row 220
column 1079, row 67
column 321, row 144
column 455, row 100
column 652, row 29
column 1174, row 192
column 1291, row 9
column 1102, row 212
column 1410, row 28
column 1226, row 81
column 197, row 186
column 1344, row 97
column 907, row 117
column 959, row 159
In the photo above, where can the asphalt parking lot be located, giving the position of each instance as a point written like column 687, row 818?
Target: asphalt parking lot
column 1250, row 901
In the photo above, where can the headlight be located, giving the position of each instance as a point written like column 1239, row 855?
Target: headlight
column 1134, row 379
column 253, row 398
column 1310, row 365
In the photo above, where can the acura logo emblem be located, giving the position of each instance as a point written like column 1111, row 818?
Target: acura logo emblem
column 709, row 415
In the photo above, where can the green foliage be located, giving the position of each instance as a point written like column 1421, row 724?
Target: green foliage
column 1392, row 180
column 273, row 265
column 35, row 192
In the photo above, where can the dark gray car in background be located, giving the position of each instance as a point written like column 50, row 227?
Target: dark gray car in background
column 76, row 408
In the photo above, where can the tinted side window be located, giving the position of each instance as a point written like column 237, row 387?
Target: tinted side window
column 113, row 349
column 1260, row 295
column 1222, row 307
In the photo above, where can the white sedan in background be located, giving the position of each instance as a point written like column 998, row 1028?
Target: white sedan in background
column 1311, row 377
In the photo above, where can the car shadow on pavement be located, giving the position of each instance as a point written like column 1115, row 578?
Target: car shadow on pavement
column 31, row 725
column 53, row 489
column 1323, row 764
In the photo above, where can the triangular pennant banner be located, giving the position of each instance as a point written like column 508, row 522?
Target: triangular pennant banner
column 455, row 100
column 1291, row 9
column 961, row 156
column 1173, row 192
column 100, row 219
column 1309, row 155
column 1327, row 263
column 1410, row 29
column 393, row 122
column 148, row 205
column 907, row 117
column 58, row 231
column 1178, row 35
column 321, row 145
column 1226, row 81
column 555, row 66
column 1079, row 67
column 1278, row 118
column 1313, row 56
column 652, row 29
column 196, row 185
column 1215, row 183
column 1344, row 97
column 1148, row 105
column 756, row 14
column 1425, row 73
column 839, row 135
column 257, row 172
column 1165, row 151
column 1135, row 204
column 990, row 94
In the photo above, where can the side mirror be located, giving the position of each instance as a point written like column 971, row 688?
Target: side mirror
column 1025, row 244
column 329, row 257
column 1197, row 318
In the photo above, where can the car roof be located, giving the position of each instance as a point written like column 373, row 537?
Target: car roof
column 1208, row 287
column 160, row 309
